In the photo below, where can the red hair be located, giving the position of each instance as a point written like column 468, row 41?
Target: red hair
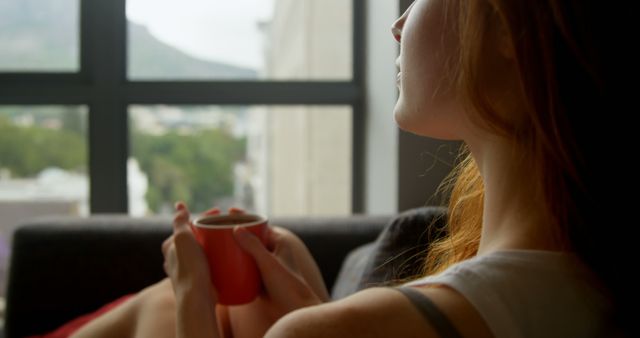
column 559, row 56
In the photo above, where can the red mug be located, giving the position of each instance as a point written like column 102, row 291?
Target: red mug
column 233, row 272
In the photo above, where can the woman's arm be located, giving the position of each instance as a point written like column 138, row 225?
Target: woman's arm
column 380, row 312
column 375, row 312
column 196, row 316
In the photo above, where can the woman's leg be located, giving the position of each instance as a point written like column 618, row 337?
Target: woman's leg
column 150, row 313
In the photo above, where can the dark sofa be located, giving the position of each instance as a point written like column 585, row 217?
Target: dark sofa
column 65, row 267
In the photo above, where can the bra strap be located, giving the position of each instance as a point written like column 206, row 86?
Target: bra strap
column 430, row 312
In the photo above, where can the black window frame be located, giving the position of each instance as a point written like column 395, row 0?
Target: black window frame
column 101, row 84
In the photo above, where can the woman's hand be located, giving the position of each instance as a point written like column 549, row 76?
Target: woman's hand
column 289, row 273
column 186, row 266
column 290, row 276
column 185, row 262
column 291, row 279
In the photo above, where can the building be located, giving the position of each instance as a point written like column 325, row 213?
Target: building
column 301, row 155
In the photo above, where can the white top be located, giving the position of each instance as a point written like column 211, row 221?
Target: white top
column 529, row 293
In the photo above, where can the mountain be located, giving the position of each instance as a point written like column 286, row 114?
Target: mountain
column 43, row 35
column 38, row 35
column 150, row 58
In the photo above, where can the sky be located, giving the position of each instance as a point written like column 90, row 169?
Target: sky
column 217, row 30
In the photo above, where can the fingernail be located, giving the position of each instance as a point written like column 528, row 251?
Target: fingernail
column 236, row 211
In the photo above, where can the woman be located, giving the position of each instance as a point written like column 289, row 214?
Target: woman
column 527, row 255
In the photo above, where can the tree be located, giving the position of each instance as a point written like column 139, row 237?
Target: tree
column 26, row 151
column 195, row 168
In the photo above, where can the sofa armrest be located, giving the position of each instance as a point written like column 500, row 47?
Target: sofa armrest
column 64, row 267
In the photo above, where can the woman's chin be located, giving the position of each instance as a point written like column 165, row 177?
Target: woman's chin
column 425, row 129
column 442, row 125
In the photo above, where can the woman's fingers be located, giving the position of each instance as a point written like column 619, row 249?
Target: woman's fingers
column 281, row 283
column 167, row 247
column 231, row 211
column 275, row 236
column 166, row 244
column 180, row 206
column 180, row 231
column 272, row 254
column 251, row 244
column 185, row 262
column 181, row 218
column 212, row 212
column 236, row 211
column 293, row 253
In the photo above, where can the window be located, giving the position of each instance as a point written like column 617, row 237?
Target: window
column 85, row 75
column 109, row 79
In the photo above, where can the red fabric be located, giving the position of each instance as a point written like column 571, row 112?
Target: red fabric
column 69, row 328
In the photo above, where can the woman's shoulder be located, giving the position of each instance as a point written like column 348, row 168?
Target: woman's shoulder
column 510, row 265
column 542, row 291
column 380, row 312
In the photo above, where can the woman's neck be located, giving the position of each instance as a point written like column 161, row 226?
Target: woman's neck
column 511, row 215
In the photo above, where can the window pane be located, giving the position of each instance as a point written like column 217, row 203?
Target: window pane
column 240, row 39
column 39, row 35
column 274, row 160
column 43, row 166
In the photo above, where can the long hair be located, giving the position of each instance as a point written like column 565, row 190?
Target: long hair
column 560, row 54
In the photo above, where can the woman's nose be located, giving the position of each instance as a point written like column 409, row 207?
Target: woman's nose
column 396, row 31
column 396, row 28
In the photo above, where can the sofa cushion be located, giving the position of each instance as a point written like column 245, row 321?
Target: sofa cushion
column 396, row 256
